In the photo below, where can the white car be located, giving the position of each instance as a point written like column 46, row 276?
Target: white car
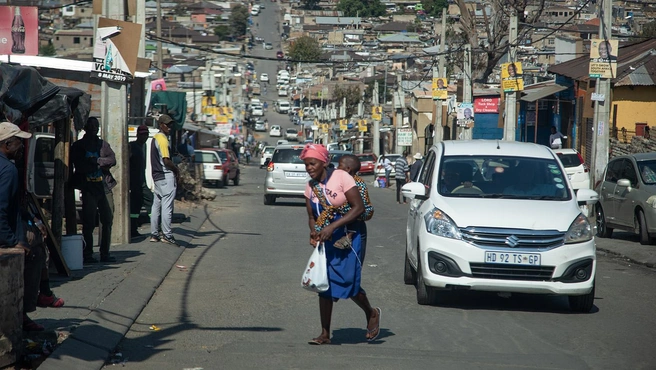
column 379, row 169
column 577, row 171
column 291, row 134
column 257, row 110
column 498, row 217
column 267, row 152
column 275, row 131
column 283, row 106
column 259, row 126
column 264, row 77
column 268, row 46
column 282, row 90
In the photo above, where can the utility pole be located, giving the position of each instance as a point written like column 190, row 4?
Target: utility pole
column 467, row 89
column 400, row 96
column 158, row 25
column 510, row 122
column 600, row 132
column 438, row 132
column 113, row 107
column 376, row 126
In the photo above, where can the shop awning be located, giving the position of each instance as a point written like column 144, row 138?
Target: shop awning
column 542, row 92
column 194, row 128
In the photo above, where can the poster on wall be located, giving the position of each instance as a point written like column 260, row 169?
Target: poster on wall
column 465, row 114
column 511, row 77
column 440, row 89
column 115, row 50
column 19, row 30
column 603, row 58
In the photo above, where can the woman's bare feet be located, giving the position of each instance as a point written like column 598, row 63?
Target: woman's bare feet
column 373, row 327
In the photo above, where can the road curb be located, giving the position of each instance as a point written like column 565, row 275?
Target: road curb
column 91, row 344
column 628, row 258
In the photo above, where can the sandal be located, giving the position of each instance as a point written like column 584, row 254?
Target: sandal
column 319, row 341
column 375, row 332
column 49, row 301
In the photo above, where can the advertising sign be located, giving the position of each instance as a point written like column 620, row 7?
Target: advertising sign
column 362, row 125
column 404, row 136
column 511, row 77
column 439, row 88
column 377, row 113
column 486, row 105
column 115, row 50
column 465, row 114
column 603, row 58
column 19, row 30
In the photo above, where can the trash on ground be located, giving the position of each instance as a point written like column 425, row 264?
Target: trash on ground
column 153, row 327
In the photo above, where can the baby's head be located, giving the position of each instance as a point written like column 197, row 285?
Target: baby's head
column 350, row 164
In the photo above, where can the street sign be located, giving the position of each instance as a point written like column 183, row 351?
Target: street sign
column 362, row 125
column 404, row 136
column 598, row 97
column 343, row 124
column 377, row 113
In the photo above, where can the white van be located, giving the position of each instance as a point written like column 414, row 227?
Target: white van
column 283, row 106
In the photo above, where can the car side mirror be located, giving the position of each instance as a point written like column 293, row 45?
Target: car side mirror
column 587, row 196
column 624, row 182
column 414, row 190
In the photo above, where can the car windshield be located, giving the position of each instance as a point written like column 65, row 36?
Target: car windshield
column 290, row 155
column 502, row 177
column 366, row 158
column 569, row 159
column 223, row 156
column 291, row 130
column 648, row 171
column 269, row 150
column 391, row 157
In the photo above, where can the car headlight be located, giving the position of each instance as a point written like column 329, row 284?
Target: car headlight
column 438, row 223
column 652, row 201
column 579, row 231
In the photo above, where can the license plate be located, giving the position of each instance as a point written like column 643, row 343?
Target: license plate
column 513, row 258
column 295, row 174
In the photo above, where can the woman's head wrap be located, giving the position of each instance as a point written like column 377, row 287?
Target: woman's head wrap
column 316, row 151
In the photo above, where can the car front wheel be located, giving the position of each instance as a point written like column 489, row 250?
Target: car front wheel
column 235, row 181
column 409, row 274
column 645, row 239
column 603, row 231
column 269, row 199
column 582, row 303
column 425, row 294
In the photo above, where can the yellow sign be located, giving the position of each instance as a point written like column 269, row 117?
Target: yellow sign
column 325, row 128
column 439, row 88
column 300, row 113
column 377, row 113
column 603, row 58
column 511, row 77
column 343, row 124
column 362, row 125
column 221, row 119
column 230, row 113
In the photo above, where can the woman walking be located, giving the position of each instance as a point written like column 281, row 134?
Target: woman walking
column 333, row 202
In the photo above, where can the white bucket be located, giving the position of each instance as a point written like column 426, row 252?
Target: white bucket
column 71, row 248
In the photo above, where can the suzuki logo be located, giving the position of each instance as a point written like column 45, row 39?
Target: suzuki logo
column 512, row 241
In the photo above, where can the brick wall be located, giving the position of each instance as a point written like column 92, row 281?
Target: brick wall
column 638, row 144
column 11, row 304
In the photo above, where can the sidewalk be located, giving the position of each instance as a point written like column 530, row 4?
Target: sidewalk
column 103, row 300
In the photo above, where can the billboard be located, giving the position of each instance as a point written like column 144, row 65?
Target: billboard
column 511, row 77
column 603, row 58
column 439, row 88
column 486, row 105
column 19, row 30
column 465, row 114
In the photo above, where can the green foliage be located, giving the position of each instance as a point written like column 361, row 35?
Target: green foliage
column 434, row 7
column 353, row 96
column 649, row 30
column 47, row 50
column 361, row 8
column 311, row 4
column 305, row 48
column 222, row 31
column 239, row 20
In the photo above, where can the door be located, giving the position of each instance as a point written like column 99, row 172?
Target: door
column 607, row 197
column 417, row 207
column 41, row 165
column 234, row 165
column 624, row 196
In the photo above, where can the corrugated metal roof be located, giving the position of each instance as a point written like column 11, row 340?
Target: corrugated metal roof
column 542, row 92
column 641, row 73
column 345, row 21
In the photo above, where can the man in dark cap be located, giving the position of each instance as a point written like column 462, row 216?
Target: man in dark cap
column 137, row 177
column 165, row 176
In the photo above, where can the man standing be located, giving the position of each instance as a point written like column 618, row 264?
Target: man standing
column 414, row 169
column 402, row 175
column 165, row 176
column 92, row 158
column 137, row 177
column 387, row 165
column 12, row 233
column 556, row 138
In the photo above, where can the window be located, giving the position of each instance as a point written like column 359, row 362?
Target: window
column 427, row 170
column 287, row 156
column 629, row 173
column 569, row 159
column 613, row 170
column 205, row 157
column 648, row 172
column 76, row 40
column 552, row 41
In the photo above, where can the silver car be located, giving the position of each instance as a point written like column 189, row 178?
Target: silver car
column 286, row 175
column 627, row 197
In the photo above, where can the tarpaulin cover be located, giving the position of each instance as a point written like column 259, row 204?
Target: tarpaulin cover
column 68, row 101
column 24, row 89
column 176, row 105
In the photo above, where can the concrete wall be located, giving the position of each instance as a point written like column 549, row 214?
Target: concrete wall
column 11, row 304
column 634, row 104
column 486, row 126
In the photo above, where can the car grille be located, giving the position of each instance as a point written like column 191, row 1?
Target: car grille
column 511, row 272
column 513, row 238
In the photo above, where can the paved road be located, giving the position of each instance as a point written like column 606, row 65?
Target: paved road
column 236, row 304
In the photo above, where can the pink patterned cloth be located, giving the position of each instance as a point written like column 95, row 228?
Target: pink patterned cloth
column 317, row 151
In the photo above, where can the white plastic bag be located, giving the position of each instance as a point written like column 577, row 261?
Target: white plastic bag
column 315, row 275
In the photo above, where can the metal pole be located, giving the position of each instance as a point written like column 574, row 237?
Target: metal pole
column 113, row 107
column 510, row 123
column 438, row 132
column 399, row 110
column 158, row 24
column 376, row 126
column 600, row 132
column 467, row 89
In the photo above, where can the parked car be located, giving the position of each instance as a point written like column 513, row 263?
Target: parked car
column 275, row 131
column 627, row 197
column 577, row 171
column 257, row 110
column 286, row 175
column 467, row 232
column 264, row 77
column 282, row 142
column 267, row 152
column 259, row 126
column 268, row 46
column 380, row 169
column 367, row 163
column 219, row 166
column 291, row 134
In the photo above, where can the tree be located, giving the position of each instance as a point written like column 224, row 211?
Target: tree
column 493, row 23
column 222, row 31
column 383, row 96
column 305, row 49
column 47, row 50
column 353, row 96
column 239, row 20
column 361, row 8
column 311, row 4
column 434, row 7
column 649, row 30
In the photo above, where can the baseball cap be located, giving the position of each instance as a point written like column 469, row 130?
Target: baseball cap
column 164, row 119
column 8, row 130
column 143, row 129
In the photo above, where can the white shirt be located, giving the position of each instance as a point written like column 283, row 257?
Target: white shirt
column 387, row 164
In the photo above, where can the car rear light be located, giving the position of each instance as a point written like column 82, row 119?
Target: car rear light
column 585, row 166
column 270, row 167
column 218, row 167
